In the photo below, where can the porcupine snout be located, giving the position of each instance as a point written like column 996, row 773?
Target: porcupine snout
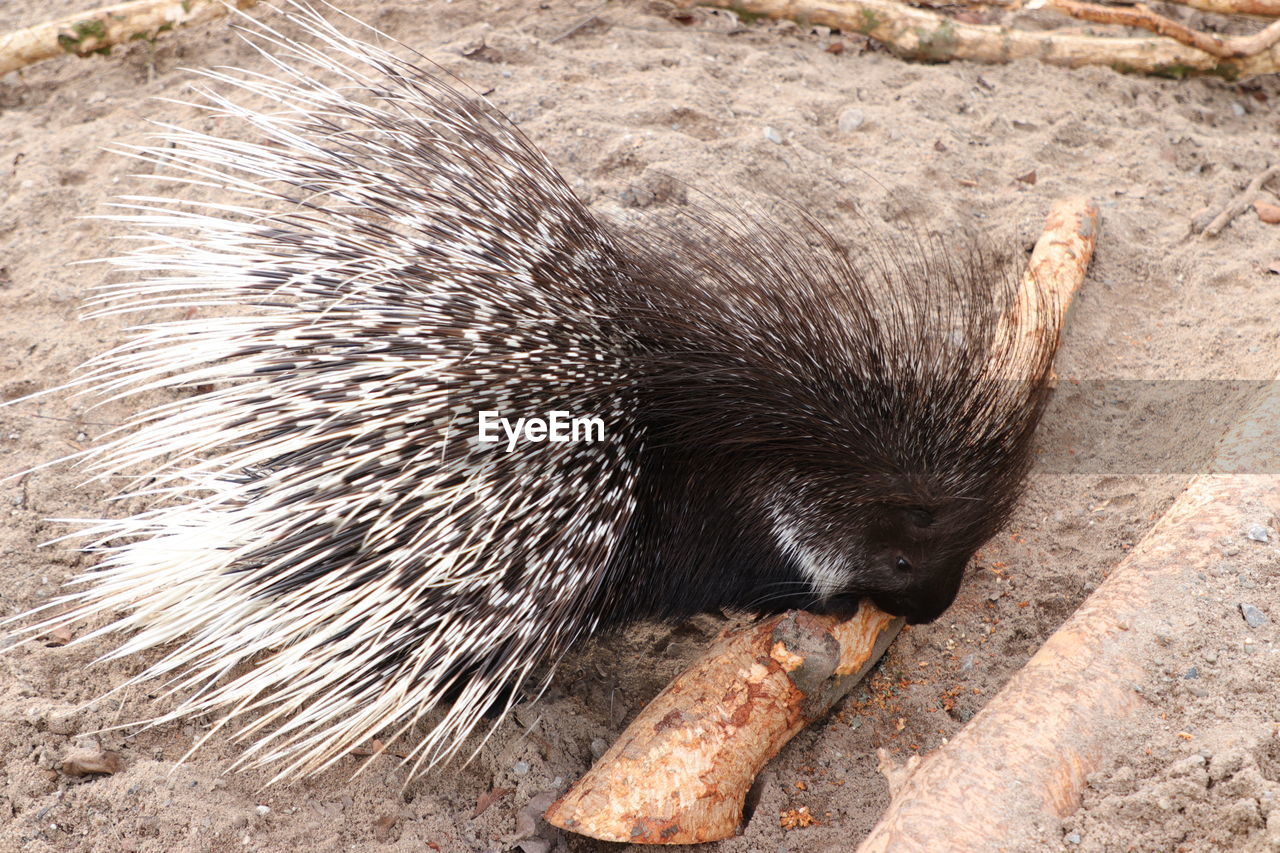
column 917, row 576
column 856, row 553
column 909, row 579
column 927, row 592
column 904, row 547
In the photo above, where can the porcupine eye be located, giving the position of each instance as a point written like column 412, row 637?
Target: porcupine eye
column 921, row 518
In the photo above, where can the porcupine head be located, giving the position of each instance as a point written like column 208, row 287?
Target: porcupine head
column 788, row 421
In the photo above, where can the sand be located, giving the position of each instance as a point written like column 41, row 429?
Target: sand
column 641, row 111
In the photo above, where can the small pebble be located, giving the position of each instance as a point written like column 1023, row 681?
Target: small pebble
column 1255, row 617
column 772, row 135
column 263, row 811
column 1237, row 108
column 520, row 768
column 1192, row 673
column 850, row 120
column 1072, row 838
column 1257, row 533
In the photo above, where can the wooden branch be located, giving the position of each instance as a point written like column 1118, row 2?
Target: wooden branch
column 1025, row 756
column 681, row 771
column 1054, row 273
column 925, row 35
column 1265, row 8
column 1142, row 17
column 98, row 31
column 1240, row 203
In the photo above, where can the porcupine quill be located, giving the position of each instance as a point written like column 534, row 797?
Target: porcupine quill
column 788, row 422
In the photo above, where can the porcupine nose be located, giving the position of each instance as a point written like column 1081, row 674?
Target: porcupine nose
column 926, row 597
column 913, row 608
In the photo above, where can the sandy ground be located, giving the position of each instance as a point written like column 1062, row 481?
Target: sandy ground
column 633, row 106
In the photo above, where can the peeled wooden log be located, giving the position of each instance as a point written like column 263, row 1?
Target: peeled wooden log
column 681, row 771
column 99, row 30
column 1141, row 17
column 1025, row 755
column 1269, row 8
column 1054, row 273
column 931, row 37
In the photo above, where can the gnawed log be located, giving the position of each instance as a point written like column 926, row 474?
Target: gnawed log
column 680, row 772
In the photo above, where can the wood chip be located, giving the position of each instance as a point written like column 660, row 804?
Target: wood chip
column 92, row 763
column 59, row 636
column 488, row 798
column 1268, row 212
column 796, row 818
column 384, row 828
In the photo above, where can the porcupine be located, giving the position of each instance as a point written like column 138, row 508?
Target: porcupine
column 789, row 422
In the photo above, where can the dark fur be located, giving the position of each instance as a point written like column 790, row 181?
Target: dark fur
column 862, row 384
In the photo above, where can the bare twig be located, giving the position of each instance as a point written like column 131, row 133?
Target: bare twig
column 100, row 30
column 1265, row 8
column 1240, row 203
column 585, row 21
column 921, row 34
column 1140, row 16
